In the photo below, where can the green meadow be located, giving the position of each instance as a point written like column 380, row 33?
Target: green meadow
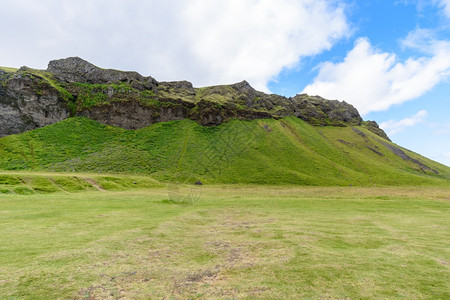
column 93, row 239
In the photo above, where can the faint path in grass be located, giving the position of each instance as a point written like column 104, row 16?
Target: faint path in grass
column 94, row 183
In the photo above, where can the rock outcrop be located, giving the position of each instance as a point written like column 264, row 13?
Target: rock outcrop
column 75, row 69
column 373, row 127
column 28, row 102
column 134, row 115
column 31, row 99
column 319, row 111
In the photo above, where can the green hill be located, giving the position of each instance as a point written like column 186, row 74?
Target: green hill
column 265, row 151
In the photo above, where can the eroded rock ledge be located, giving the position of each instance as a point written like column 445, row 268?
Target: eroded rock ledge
column 31, row 99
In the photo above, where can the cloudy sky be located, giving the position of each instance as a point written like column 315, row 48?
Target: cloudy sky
column 390, row 59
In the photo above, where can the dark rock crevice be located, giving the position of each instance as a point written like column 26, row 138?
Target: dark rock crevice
column 399, row 152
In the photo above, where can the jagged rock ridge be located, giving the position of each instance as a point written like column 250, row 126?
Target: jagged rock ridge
column 75, row 69
column 31, row 99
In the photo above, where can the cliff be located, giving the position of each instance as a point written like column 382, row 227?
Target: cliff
column 31, row 98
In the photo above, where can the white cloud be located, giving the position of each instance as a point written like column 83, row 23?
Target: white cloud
column 445, row 5
column 446, row 154
column 207, row 42
column 372, row 80
column 392, row 126
column 423, row 5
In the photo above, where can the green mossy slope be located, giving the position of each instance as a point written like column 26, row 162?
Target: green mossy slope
column 286, row 151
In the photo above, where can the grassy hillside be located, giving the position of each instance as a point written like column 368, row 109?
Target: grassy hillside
column 286, row 151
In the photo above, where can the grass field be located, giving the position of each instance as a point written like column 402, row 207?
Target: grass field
column 234, row 242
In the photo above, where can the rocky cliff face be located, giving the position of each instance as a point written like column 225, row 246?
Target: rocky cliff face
column 28, row 103
column 31, row 99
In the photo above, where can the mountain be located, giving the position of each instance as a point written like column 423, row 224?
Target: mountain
column 76, row 117
column 31, row 99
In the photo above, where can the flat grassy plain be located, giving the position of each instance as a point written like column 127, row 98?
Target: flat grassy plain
column 235, row 241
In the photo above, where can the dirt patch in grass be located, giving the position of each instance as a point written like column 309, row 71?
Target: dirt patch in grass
column 193, row 255
column 94, row 183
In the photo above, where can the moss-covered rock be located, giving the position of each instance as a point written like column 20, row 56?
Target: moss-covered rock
column 373, row 127
column 29, row 101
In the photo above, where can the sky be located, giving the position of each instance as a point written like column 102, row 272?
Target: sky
column 389, row 59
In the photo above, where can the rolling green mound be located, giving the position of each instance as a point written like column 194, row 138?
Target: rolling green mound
column 265, row 151
column 28, row 183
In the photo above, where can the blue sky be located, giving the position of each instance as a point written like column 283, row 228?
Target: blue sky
column 421, row 121
column 390, row 59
